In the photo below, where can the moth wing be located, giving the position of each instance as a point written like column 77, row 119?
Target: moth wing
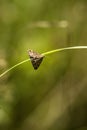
column 36, row 62
column 35, row 58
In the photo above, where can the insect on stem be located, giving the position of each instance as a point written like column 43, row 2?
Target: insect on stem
column 37, row 58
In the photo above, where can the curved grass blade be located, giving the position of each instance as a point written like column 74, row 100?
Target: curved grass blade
column 44, row 54
column 13, row 67
column 63, row 49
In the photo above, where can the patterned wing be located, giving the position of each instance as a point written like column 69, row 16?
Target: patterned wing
column 35, row 58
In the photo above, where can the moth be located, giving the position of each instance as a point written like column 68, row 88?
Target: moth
column 35, row 58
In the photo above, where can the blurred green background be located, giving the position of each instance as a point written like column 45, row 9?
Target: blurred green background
column 55, row 96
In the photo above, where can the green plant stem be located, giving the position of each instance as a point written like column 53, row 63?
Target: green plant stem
column 63, row 49
column 44, row 54
column 13, row 67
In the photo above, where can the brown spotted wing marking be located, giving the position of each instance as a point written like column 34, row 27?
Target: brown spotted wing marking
column 35, row 58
